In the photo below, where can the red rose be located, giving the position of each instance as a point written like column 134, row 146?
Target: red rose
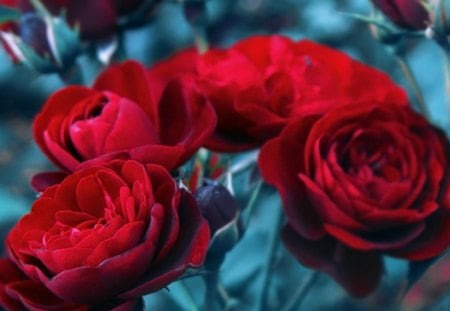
column 19, row 293
column 260, row 83
column 96, row 19
column 119, row 117
column 360, row 181
column 405, row 13
column 117, row 231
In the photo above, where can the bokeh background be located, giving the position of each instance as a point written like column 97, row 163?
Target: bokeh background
column 23, row 91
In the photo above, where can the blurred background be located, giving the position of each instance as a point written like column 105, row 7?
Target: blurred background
column 23, row 91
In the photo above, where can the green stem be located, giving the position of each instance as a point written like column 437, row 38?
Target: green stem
column 409, row 75
column 270, row 258
column 200, row 39
column 251, row 202
column 211, row 282
column 303, row 290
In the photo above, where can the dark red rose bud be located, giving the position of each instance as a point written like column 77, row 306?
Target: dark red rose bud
column 217, row 204
column 195, row 11
column 33, row 32
column 405, row 13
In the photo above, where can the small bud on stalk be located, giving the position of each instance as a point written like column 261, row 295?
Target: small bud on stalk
column 43, row 42
column 409, row 14
column 217, row 204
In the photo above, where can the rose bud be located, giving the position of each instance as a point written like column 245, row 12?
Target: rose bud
column 96, row 19
column 217, row 204
column 195, row 12
column 410, row 14
column 261, row 83
column 361, row 181
column 221, row 210
column 43, row 42
column 112, row 232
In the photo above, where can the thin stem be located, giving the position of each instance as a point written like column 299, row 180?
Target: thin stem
column 273, row 244
column 212, row 282
column 302, row 291
column 251, row 202
column 241, row 166
column 409, row 75
column 201, row 43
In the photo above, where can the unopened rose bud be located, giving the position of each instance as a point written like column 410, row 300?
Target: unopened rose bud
column 410, row 14
column 43, row 42
column 33, row 32
column 195, row 12
column 217, row 204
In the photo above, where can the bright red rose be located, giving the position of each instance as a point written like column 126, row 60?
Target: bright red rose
column 260, row 83
column 361, row 181
column 20, row 293
column 119, row 117
column 405, row 13
column 97, row 19
column 117, row 231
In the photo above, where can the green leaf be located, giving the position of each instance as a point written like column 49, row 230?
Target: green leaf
column 8, row 14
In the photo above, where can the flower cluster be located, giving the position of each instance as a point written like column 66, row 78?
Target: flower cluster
column 360, row 174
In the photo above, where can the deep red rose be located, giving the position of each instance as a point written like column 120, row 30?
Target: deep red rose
column 260, row 83
column 405, row 13
column 117, row 231
column 361, row 181
column 96, row 19
column 20, row 293
column 119, row 117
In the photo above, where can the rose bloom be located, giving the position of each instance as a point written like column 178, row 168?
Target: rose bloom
column 96, row 19
column 119, row 117
column 112, row 232
column 358, row 182
column 405, row 13
column 259, row 84
column 19, row 293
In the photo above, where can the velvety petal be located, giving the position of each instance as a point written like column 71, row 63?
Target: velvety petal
column 277, row 160
column 42, row 181
column 19, row 293
column 405, row 13
column 181, row 63
column 379, row 240
column 187, row 252
column 60, row 103
column 329, row 212
column 358, row 272
column 434, row 240
column 194, row 121
column 117, row 79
